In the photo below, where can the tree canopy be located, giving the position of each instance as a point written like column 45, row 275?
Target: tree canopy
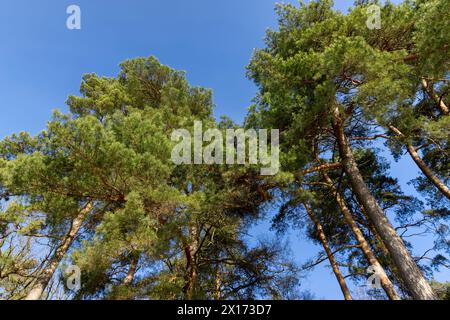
column 97, row 188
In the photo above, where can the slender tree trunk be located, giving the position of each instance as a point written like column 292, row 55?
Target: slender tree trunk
column 406, row 266
column 378, row 241
column 423, row 166
column 326, row 247
column 218, row 283
column 191, row 264
column 132, row 270
column 444, row 109
column 364, row 245
column 46, row 275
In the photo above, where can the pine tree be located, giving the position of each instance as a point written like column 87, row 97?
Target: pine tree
column 100, row 188
column 322, row 74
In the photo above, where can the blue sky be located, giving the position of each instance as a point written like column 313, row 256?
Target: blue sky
column 41, row 63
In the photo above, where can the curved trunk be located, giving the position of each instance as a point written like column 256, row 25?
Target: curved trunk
column 326, row 247
column 364, row 245
column 423, row 166
column 408, row 270
column 46, row 275
column 442, row 106
column 427, row 171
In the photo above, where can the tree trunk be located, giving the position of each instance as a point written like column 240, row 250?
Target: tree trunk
column 46, row 275
column 326, row 247
column 364, row 245
column 444, row 109
column 378, row 242
column 191, row 264
column 218, row 283
column 423, row 166
column 410, row 273
column 132, row 270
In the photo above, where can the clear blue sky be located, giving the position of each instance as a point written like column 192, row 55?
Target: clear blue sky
column 41, row 63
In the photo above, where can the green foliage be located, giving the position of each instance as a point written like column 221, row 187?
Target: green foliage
column 319, row 60
column 155, row 230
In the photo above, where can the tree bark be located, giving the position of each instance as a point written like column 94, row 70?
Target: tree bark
column 191, row 264
column 131, row 271
column 218, row 283
column 442, row 106
column 423, row 166
column 46, row 275
column 326, row 247
column 410, row 273
column 322, row 167
column 378, row 242
column 364, row 245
